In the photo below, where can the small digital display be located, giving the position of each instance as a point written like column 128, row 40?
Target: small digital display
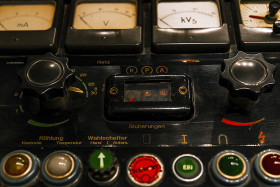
column 150, row 91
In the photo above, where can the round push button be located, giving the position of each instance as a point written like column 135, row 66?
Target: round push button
column 19, row 168
column 17, row 165
column 61, row 168
column 187, row 168
column 104, row 168
column 145, row 170
column 267, row 166
column 59, row 165
column 230, row 168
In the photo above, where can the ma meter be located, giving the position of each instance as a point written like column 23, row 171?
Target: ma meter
column 98, row 26
column 257, row 28
column 29, row 27
column 189, row 26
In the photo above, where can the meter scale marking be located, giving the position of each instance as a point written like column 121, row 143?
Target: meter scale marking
column 201, row 14
column 105, row 16
column 21, row 16
column 114, row 12
column 104, row 12
column 26, row 17
column 189, row 11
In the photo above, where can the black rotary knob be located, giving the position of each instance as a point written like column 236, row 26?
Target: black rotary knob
column 46, row 76
column 247, row 75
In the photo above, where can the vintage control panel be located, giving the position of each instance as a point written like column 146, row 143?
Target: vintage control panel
column 139, row 93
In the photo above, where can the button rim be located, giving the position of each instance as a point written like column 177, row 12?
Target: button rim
column 65, row 175
column 71, row 179
column 259, row 173
column 261, row 165
column 23, row 174
column 114, row 160
column 236, row 177
column 183, row 179
column 155, row 182
column 219, row 178
column 32, row 176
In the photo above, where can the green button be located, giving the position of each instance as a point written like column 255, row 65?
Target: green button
column 101, row 159
column 231, row 165
column 187, row 167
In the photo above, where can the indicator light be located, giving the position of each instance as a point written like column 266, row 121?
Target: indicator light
column 19, row 168
column 59, row 165
column 267, row 166
column 230, row 168
column 145, row 170
column 17, row 165
column 271, row 164
column 187, row 168
column 61, row 168
column 231, row 165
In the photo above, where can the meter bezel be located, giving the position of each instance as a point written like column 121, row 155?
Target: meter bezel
column 35, row 41
column 253, row 39
column 104, row 41
column 190, row 40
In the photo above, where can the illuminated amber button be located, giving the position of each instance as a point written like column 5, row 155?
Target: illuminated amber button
column 17, row 165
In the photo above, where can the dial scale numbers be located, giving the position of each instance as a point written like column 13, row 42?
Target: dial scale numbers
column 188, row 15
column 105, row 16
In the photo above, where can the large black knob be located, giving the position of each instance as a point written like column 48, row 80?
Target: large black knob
column 46, row 77
column 247, row 75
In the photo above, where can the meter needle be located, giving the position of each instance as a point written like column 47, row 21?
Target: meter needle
column 165, row 23
column 85, row 22
column 257, row 17
column 3, row 26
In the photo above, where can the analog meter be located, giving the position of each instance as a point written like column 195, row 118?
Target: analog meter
column 26, row 17
column 29, row 26
column 105, row 27
column 256, row 24
column 188, row 14
column 192, row 26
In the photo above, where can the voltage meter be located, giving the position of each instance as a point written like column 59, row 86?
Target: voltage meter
column 29, row 26
column 257, row 28
column 105, row 27
column 189, row 26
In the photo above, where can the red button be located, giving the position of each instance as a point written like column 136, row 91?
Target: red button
column 146, row 170
column 271, row 164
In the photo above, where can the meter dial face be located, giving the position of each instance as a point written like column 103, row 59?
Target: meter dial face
column 105, row 16
column 26, row 17
column 189, row 14
column 253, row 13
